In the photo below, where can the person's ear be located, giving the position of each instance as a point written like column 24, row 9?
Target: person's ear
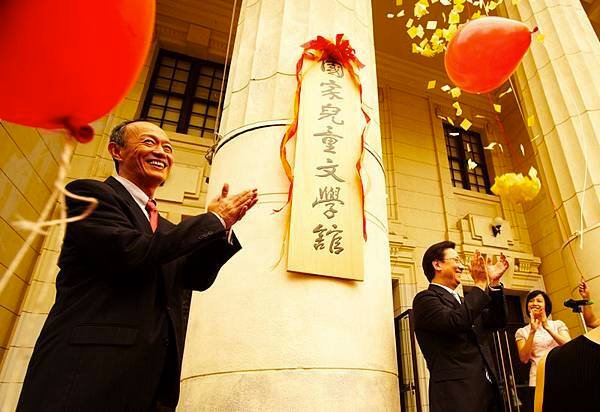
column 115, row 151
column 437, row 265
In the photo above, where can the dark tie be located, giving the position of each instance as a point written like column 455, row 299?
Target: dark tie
column 153, row 213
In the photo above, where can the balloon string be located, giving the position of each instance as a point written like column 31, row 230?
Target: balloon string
column 36, row 228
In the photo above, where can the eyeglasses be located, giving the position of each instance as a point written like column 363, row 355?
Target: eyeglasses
column 456, row 260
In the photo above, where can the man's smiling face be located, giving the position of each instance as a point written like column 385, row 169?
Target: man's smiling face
column 147, row 156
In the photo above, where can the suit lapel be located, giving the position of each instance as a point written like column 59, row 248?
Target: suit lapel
column 445, row 295
column 140, row 220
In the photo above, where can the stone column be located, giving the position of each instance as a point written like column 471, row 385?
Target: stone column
column 262, row 338
column 559, row 84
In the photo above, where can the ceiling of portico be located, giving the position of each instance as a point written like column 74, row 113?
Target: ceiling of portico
column 201, row 27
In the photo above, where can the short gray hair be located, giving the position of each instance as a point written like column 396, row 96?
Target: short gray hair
column 117, row 136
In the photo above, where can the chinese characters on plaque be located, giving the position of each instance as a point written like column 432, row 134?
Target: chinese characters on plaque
column 326, row 236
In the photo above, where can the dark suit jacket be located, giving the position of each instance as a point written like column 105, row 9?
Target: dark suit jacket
column 455, row 340
column 114, row 337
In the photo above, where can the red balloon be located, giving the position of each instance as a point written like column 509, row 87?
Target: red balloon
column 65, row 63
column 484, row 53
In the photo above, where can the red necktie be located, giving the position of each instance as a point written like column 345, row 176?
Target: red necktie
column 153, row 213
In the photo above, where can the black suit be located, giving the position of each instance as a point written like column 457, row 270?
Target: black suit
column 113, row 340
column 455, row 339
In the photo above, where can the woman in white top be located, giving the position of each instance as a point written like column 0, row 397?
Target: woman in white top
column 542, row 334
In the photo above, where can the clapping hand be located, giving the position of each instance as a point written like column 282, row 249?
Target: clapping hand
column 584, row 290
column 478, row 270
column 495, row 272
column 534, row 321
column 233, row 208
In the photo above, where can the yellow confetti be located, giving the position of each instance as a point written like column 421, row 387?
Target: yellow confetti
column 540, row 37
column 444, row 17
column 456, row 105
column 458, row 8
column 498, row 108
column 423, row 43
column 390, row 15
column 398, row 2
column 522, row 150
column 455, row 92
column 400, row 13
column 409, row 22
column 492, row 5
column 450, row 121
column 516, row 187
column 412, row 32
column 445, row 2
column 471, row 164
column 434, row 1
column 431, row 84
column 490, row 146
column 501, row 148
column 420, row 32
column 466, row 124
column 468, row 148
column 480, row 116
column 421, row 8
column 445, row 88
column 476, row 15
column 453, row 17
column 531, row 121
column 431, row 25
column 507, row 91
column 415, row 48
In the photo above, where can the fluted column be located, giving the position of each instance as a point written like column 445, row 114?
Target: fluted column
column 560, row 85
column 262, row 338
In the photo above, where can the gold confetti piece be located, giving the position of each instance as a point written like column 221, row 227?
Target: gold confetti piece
column 540, row 37
column 423, row 43
column 445, row 88
column 458, row 8
column 400, row 13
column 398, row 2
column 445, row 2
column 420, row 32
column 455, row 92
column 490, row 146
column 531, row 121
column 456, row 105
column 431, row 84
column 450, row 121
column 468, row 147
column 409, row 22
column 507, row 91
column 415, row 48
column 480, row 116
column 472, row 165
column 431, row 25
column 476, row 15
column 466, row 124
column 434, row 1
column 501, row 148
column 390, row 15
column 412, row 32
column 522, row 150
column 453, row 17
column 454, row 134
column 420, row 9
column 444, row 17
column 492, row 5
column 498, row 108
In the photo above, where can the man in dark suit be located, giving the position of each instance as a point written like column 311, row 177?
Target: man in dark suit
column 113, row 340
column 454, row 334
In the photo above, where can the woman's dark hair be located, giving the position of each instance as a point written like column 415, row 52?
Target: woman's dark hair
column 547, row 301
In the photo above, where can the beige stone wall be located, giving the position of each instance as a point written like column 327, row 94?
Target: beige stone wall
column 28, row 166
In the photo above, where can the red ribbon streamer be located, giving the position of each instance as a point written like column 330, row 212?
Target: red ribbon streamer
column 322, row 49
